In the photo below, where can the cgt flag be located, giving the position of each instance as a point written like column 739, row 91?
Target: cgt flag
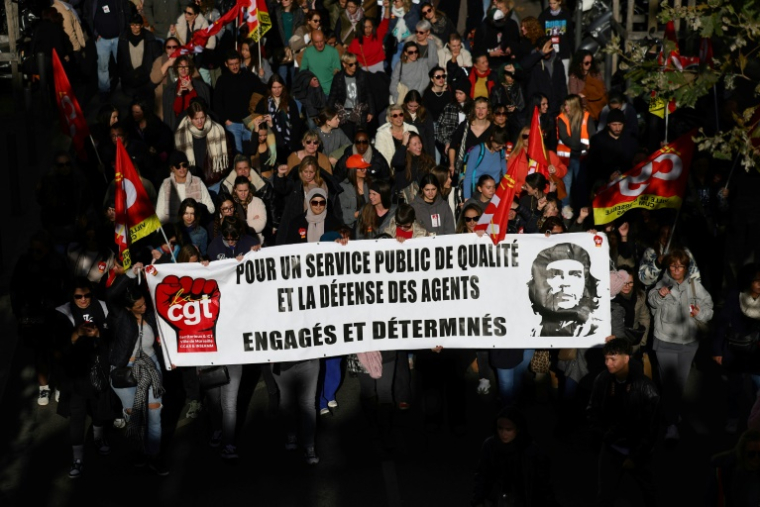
column 133, row 207
column 200, row 37
column 259, row 21
column 73, row 122
column 659, row 182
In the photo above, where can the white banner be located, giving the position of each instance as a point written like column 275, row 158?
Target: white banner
column 299, row 302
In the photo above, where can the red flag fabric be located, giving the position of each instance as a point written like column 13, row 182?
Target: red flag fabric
column 495, row 219
column 659, row 182
column 259, row 21
column 200, row 37
column 73, row 122
column 133, row 207
column 536, row 149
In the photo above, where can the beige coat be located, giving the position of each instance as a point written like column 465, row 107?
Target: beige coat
column 71, row 25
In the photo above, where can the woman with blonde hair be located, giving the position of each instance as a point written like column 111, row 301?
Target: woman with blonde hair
column 311, row 143
column 476, row 130
column 573, row 128
column 390, row 135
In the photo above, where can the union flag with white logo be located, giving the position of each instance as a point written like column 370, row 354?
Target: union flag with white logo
column 658, row 182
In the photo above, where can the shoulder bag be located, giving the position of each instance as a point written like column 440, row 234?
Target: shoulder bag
column 213, row 376
column 123, row 376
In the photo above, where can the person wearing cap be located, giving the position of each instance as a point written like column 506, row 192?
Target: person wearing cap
column 179, row 186
column 454, row 113
column 612, row 150
column 355, row 189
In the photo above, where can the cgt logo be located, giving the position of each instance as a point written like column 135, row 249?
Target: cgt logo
column 191, row 307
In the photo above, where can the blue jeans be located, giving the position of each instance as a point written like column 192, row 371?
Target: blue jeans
column 223, row 401
column 510, row 379
column 127, row 397
column 331, row 382
column 573, row 168
column 240, row 133
column 105, row 48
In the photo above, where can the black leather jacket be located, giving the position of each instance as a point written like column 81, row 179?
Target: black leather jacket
column 124, row 326
column 363, row 90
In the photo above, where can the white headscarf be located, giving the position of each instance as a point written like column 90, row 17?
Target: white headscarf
column 316, row 223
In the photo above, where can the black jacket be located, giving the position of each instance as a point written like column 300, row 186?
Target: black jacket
column 232, row 95
column 123, row 324
column 299, row 224
column 378, row 170
column 363, row 90
column 554, row 86
column 125, row 10
column 636, row 425
column 291, row 189
column 135, row 77
column 503, row 33
column 607, row 155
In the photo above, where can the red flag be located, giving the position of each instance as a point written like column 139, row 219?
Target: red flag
column 536, row 149
column 133, row 207
column 495, row 219
column 259, row 21
column 73, row 122
column 200, row 37
column 659, row 182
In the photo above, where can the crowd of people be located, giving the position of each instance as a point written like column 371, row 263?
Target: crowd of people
column 364, row 120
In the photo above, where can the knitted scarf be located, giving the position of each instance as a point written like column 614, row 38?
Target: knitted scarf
column 750, row 306
column 216, row 143
column 400, row 31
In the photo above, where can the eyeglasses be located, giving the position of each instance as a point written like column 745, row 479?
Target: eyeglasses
column 64, row 164
column 472, row 219
column 361, row 141
column 627, row 284
column 317, row 202
column 500, row 113
column 227, row 208
column 311, row 141
column 426, row 12
column 440, row 76
column 232, row 238
column 83, row 296
column 172, row 47
column 316, row 20
column 410, row 53
column 397, row 115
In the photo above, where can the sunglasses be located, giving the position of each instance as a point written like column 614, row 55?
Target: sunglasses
column 440, row 76
column 421, row 32
column 587, row 63
column 472, row 219
column 352, row 64
column 525, row 136
column 410, row 53
column 397, row 115
column 231, row 238
column 500, row 113
column 361, row 141
column 316, row 20
column 83, row 296
column 183, row 165
column 317, row 202
column 172, row 47
column 426, row 12
column 311, row 142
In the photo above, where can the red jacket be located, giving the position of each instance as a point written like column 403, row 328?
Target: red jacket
column 372, row 51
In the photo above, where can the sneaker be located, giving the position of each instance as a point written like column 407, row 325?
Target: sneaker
column 229, row 452
column 332, row 404
column 194, row 409
column 103, row 447
column 57, row 395
column 484, row 386
column 119, row 423
column 216, row 439
column 44, row 397
column 731, row 426
column 157, row 466
column 324, row 411
column 672, row 433
column 76, row 469
column 292, row 443
column 310, row 456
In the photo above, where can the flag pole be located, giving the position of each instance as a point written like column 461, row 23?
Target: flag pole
column 100, row 162
column 672, row 231
column 731, row 173
column 171, row 252
column 667, row 109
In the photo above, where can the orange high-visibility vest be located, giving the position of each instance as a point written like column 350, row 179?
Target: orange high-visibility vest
column 564, row 151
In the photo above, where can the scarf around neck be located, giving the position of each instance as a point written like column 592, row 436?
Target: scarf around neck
column 216, row 143
column 316, row 227
column 750, row 306
column 400, row 31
